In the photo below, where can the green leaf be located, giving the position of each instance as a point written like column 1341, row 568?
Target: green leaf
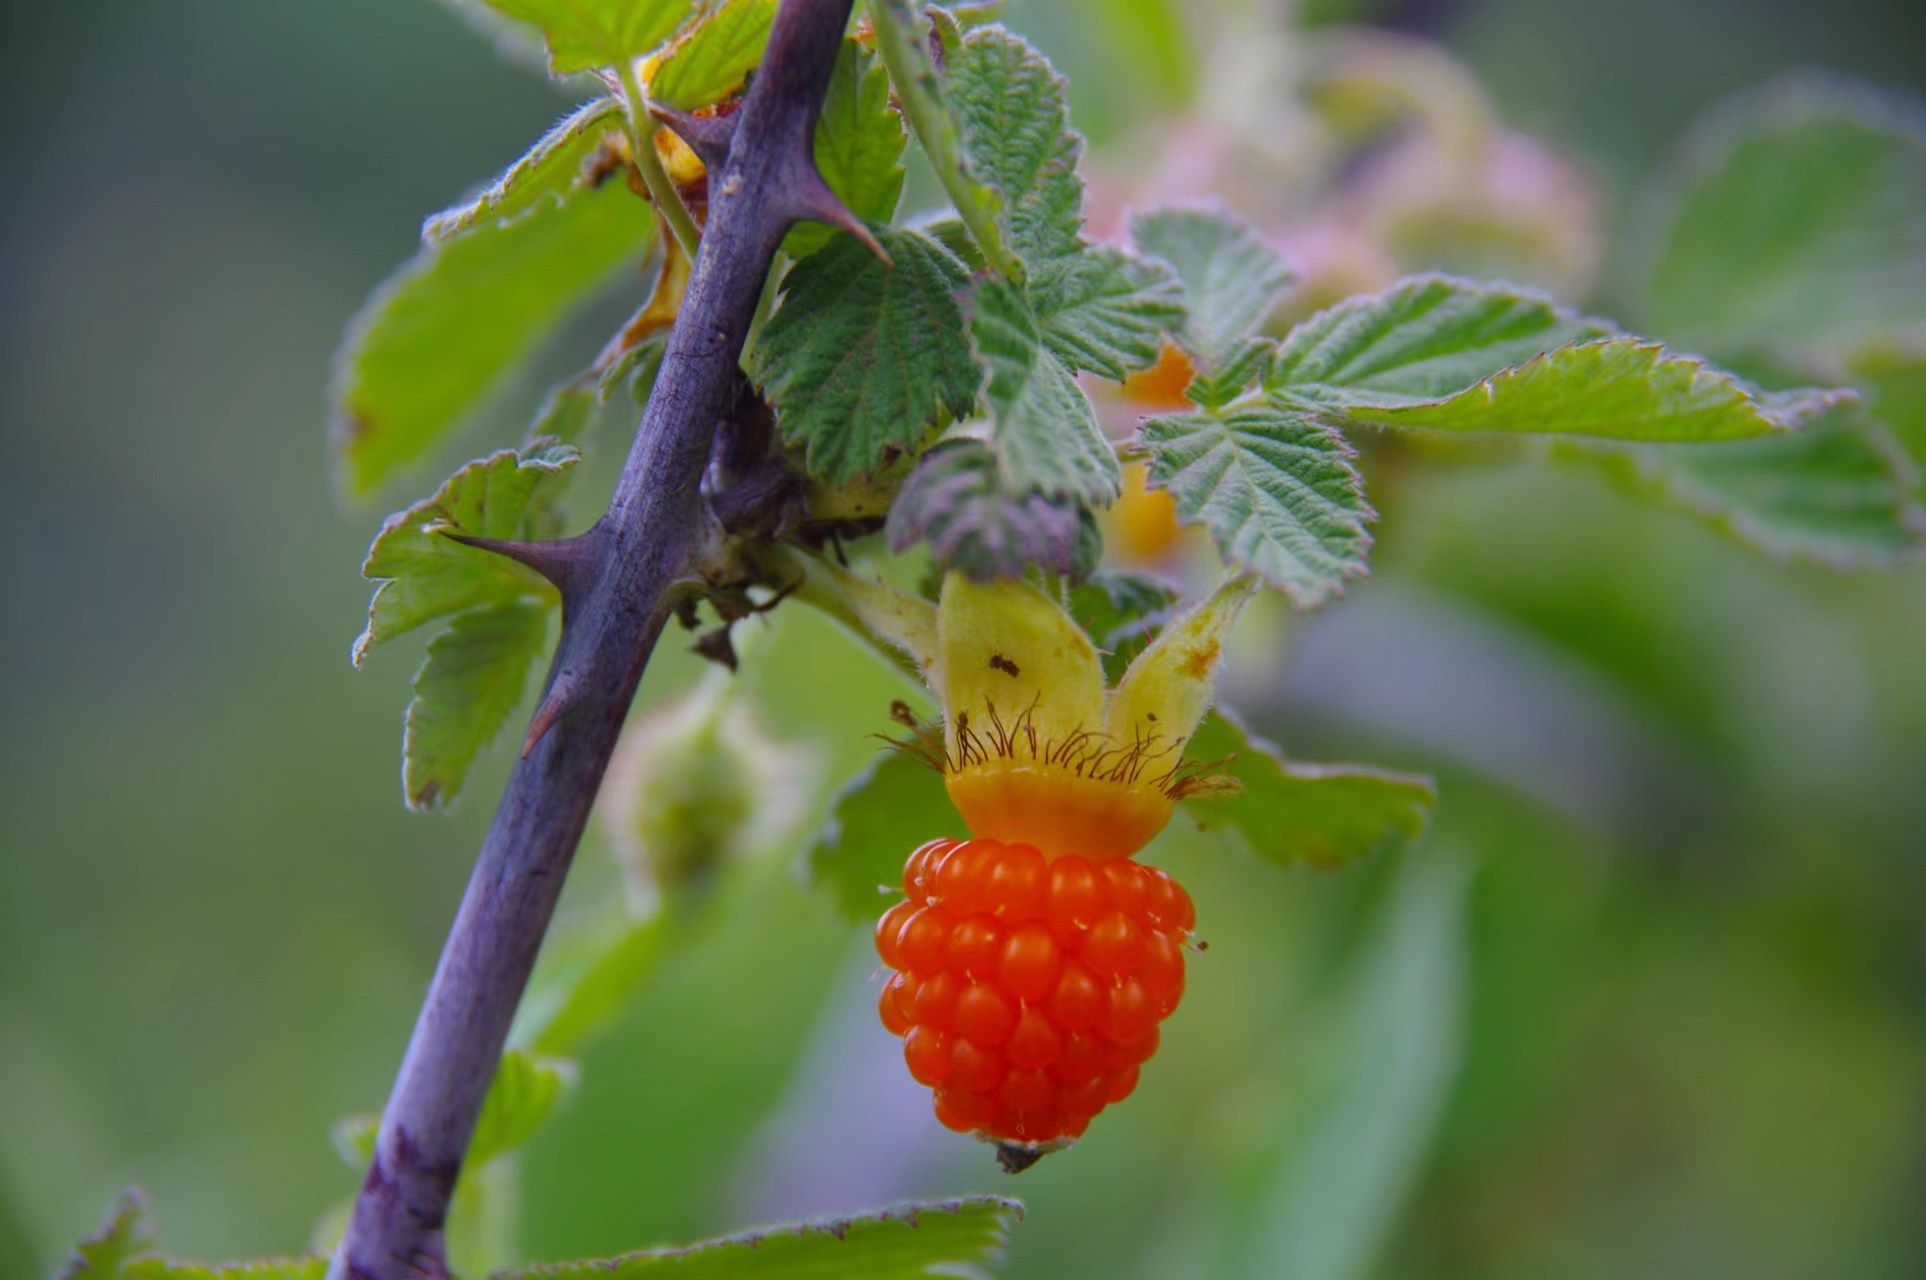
column 524, row 1093
column 253, row 1269
column 440, row 334
column 123, row 1250
column 473, row 679
column 903, row 43
column 710, row 60
column 1796, row 223
column 1363, row 1091
column 1276, row 487
column 552, row 171
column 1014, row 122
column 424, row 576
column 875, row 821
column 959, row 1238
column 1426, row 337
column 1103, row 311
column 1321, row 816
column 1615, row 389
column 1215, row 387
column 858, row 148
column 956, row 501
column 1839, row 491
column 1231, row 279
column 1121, row 611
column 861, row 357
column 127, row 1234
column 1045, row 432
column 585, row 34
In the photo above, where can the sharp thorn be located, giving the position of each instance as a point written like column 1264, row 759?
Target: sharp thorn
column 707, row 136
column 816, row 202
column 562, row 562
column 554, row 703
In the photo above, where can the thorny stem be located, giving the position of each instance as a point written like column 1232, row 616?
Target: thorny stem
column 615, row 578
column 899, row 39
column 642, row 143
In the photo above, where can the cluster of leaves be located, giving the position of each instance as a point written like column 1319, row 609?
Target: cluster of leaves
column 951, row 375
column 980, row 328
column 496, row 275
column 952, row 372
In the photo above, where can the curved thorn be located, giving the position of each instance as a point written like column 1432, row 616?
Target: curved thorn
column 554, row 704
column 562, row 562
column 707, row 136
column 815, row 201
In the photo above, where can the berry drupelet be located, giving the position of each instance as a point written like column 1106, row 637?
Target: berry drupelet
column 1033, row 962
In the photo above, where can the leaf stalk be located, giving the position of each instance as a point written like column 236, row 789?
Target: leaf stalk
column 668, row 201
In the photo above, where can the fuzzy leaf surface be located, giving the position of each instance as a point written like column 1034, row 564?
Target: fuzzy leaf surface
column 434, row 339
column 474, row 677
column 1838, row 492
column 861, row 357
column 1014, row 122
column 423, row 576
column 1321, row 816
column 710, row 60
column 956, row 501
column 875, row 821
column 1045, row 431
column 1612, row 388
column 1422, row 339
column 1231, row 280
column 1103, row 311
column 934, row 1238
column 585, row 34
column 1795, row 223
column 1276, row 487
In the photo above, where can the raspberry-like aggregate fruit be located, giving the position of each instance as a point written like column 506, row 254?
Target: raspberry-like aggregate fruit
column 1028, row 990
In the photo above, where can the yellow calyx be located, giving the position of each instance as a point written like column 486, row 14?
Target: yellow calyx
column 1033, row 749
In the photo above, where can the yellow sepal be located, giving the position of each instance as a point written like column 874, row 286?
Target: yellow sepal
column 1012, row 664
column 1167, row 690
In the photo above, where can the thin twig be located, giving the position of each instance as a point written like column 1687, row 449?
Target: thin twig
column 654, row 527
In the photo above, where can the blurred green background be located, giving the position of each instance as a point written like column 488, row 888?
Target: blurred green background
column 1681, row 1031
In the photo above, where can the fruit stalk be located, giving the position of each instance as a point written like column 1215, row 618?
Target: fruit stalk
column 614, row 580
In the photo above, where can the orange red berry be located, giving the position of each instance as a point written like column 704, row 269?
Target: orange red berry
column 1028, row 991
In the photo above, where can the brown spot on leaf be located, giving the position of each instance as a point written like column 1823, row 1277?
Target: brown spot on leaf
column 1199, row 661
